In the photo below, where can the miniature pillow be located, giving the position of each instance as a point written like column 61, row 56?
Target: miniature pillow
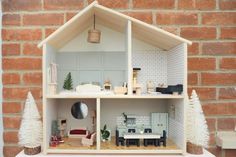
column 89, row 135
column 78, row 131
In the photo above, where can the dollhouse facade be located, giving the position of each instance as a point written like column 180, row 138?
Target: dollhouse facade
column 126, row 43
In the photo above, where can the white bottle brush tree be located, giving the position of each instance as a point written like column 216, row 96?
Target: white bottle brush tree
column 68, row 83
column 197, row 129
column 30, row 133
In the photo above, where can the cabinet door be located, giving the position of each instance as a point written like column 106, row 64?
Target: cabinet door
column 159, row 122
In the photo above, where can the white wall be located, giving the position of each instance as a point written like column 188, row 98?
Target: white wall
column 1, row 123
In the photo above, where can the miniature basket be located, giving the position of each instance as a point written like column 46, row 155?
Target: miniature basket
column 194, row 149
column 32, row 151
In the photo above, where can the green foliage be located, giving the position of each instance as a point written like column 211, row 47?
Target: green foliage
column 105, row 133
column 68, row 82
column 125, row 116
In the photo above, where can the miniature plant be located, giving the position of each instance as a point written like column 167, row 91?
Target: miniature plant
column 197, row 132
column 125, row 116
column 68, row 83
column 105, row 133
column 30, row 133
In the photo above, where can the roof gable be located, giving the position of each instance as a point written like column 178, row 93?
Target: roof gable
column 115, row 20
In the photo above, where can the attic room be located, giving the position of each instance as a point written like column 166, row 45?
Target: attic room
column 101, row 62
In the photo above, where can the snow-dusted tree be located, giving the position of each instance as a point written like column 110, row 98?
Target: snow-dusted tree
column 30, row 133
column 197, row 129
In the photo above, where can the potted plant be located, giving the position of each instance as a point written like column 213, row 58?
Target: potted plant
column 105, row 134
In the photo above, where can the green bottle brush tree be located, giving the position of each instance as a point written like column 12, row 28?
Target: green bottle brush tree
column 68, row 83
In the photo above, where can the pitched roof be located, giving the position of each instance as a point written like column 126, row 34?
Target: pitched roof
column 116, row 20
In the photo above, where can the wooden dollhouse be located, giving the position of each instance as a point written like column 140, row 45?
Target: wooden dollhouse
column 105, row 91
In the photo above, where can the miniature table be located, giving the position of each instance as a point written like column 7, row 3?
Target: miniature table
column 141, row 136
column 205, row 154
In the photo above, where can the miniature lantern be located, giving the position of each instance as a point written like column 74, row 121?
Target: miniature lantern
column 94, row 34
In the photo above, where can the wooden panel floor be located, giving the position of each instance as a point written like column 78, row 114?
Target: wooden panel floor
column 111, row 145
column 74, row 143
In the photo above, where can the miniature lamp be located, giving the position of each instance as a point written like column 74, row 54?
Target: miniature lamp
column 94, row 34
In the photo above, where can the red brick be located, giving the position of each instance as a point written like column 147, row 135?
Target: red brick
column 11, row 107
column 193, row 49
column 197, row 4
column 218, row 78
column 10, row 78
column 219, row 48
column 21, row 5
column 226, row 124
column 22, row 63
column 228, row 32
column 219, row 109
column 211, row 123
column 21, row 34
column 10, row 49
column 31, row 49
column 192, row 79
column 180, row 18
column 204, row 93
column 198, row 32
column 21, row 93
column 63, row 4
column 10, row 137
column 230, row 153
column 49, row 31
column 32, row 78
column 11, row 122
column 227, row 5
column 143, row 16
column 11, row 20
column 11, row 151
column 228, row 63
column 172, row 30
column 70, row 15
column 154, row 4
column 43, row 19
column 227, row 93
column 201, row 63
column 219, row 18
column 212, row 139
column 113, row 4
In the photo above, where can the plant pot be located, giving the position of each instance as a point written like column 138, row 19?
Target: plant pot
column 32, row 151
column 194, row 149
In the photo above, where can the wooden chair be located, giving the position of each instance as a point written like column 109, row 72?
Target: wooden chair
column 162, row 139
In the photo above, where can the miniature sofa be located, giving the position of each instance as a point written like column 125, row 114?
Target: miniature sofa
column 89, row 139
column 78, row 132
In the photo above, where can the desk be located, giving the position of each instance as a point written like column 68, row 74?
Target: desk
column 141, row 136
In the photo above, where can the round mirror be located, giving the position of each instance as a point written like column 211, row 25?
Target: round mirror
column 79, row 110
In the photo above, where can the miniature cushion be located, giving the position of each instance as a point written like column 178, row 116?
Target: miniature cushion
column 89, row 135
column 78, row 131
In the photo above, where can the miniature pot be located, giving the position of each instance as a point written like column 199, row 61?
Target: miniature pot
column 32, row 151
column 194, row 149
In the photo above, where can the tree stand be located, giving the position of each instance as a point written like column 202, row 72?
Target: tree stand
column 32, row 151
column 194, row 149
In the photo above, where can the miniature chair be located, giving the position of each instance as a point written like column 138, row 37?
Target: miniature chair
column 132, row 141
column 89, row 139
column 162, row 139
column 119, row 139
column 149, row 141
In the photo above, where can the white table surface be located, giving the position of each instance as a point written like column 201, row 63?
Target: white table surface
column 141, row 136
column 205, row 154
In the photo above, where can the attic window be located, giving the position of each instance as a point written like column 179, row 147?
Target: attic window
column 94, row 34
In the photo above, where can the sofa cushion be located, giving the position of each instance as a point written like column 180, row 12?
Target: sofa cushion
column 78, row 132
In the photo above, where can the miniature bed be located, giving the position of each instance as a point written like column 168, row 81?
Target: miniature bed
column 109, row 83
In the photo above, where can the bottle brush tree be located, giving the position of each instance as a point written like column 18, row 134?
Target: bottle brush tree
column 30, row 133
column 197, row 130
column 68, row 83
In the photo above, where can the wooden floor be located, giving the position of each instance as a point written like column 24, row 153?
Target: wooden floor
column 73, row 143
column 111, row 145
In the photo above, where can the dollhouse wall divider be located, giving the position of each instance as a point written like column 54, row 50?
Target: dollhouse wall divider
column 125, row 43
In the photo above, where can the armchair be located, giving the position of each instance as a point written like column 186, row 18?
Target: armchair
column 89, row 139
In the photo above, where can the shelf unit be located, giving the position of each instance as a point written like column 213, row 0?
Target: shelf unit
column 126, row 42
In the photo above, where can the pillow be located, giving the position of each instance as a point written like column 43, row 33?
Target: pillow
column 78, row 131
column 90, row 135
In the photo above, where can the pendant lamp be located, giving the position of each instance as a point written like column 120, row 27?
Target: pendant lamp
column 94, row 34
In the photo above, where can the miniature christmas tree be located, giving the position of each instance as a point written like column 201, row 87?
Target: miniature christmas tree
column 30, row 133
column 197, row 130
column 68, row 82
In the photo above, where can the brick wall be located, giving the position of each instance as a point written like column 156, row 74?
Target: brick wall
column 210, row 24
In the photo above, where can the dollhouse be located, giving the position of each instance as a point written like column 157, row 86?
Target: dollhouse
column 117, row 69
